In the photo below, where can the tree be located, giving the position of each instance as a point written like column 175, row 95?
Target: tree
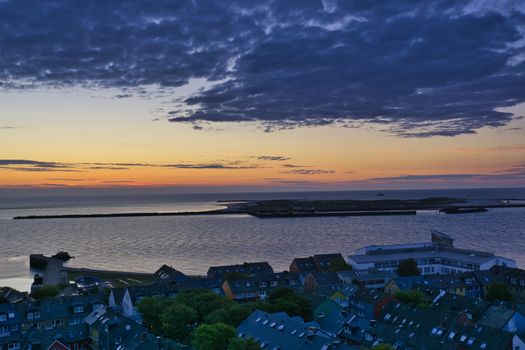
column 46, row 291
column 408, row 267
column 498, row 291
column 177, row 321
column 168, row 318
column 413, row 297
column 243, row 344
column 203, row 301
column 215, row 336
column 383, row 347
column 151, row 310
column 62, row 255
column 287, row 300
column 232, row 315
column 339, row 265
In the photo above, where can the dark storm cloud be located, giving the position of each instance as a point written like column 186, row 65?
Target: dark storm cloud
column 414, row 69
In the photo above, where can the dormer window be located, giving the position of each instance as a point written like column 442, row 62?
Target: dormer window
column 78, row 309
column 13, row 346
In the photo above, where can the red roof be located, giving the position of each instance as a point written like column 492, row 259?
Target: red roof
column 57, row 346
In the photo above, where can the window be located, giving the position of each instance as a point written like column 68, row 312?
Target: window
column 37, row 314
column 273, row 283
column 11, row 315
column 13, row 346
column 3, row 317
column 78, row 309
column 74, row 321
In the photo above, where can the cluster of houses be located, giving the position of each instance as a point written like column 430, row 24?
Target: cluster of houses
column 355, row 304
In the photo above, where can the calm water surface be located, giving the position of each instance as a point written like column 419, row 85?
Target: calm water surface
column 192, row 244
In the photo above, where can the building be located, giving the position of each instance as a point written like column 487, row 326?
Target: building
column 412, row 327
column 505, row 317
column 369, row 278
column 168, row 274
column 25, row 325
column 259, row 287
column 319, row 262
column 367, row 303
column 126, row 299
column 109, row 330
column 403, row 284
column 280, row 331
column 436, row 257
column 246, row 269
column 513, row 278
column 316, row 280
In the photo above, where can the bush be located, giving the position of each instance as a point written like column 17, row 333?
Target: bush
column 413, row 297
column 408, row 267
column 215, row 336
column 62, row 255
column 168, row 318
column 46, row 291
column 243, row 344
column 498, row 291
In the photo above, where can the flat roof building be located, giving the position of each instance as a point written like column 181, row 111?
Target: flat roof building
column 436, row 257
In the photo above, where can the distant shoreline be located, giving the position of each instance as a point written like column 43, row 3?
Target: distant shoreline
column 310, row 208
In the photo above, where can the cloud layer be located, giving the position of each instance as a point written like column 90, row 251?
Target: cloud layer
column 413, row 69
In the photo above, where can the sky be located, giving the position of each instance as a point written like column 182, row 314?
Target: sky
column 266, row 95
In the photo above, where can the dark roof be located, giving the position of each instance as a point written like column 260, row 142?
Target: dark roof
column 251, row 269
column 367, row 275
column 164, row 289
column 329, row 278
column 368, row 296
column 496, row 316
column 168, row 273
column 432, row 328
column 214, row 284
column 280, row 331
column 324, row 261
column 303, row 265
column 318, row 262
column 407, row 282
column 265, row 282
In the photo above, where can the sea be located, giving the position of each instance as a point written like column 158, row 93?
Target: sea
column 193, row 243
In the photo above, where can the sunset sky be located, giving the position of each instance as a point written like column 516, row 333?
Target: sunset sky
column 285, row 95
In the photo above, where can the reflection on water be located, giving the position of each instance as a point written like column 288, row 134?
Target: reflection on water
column 192, row 244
